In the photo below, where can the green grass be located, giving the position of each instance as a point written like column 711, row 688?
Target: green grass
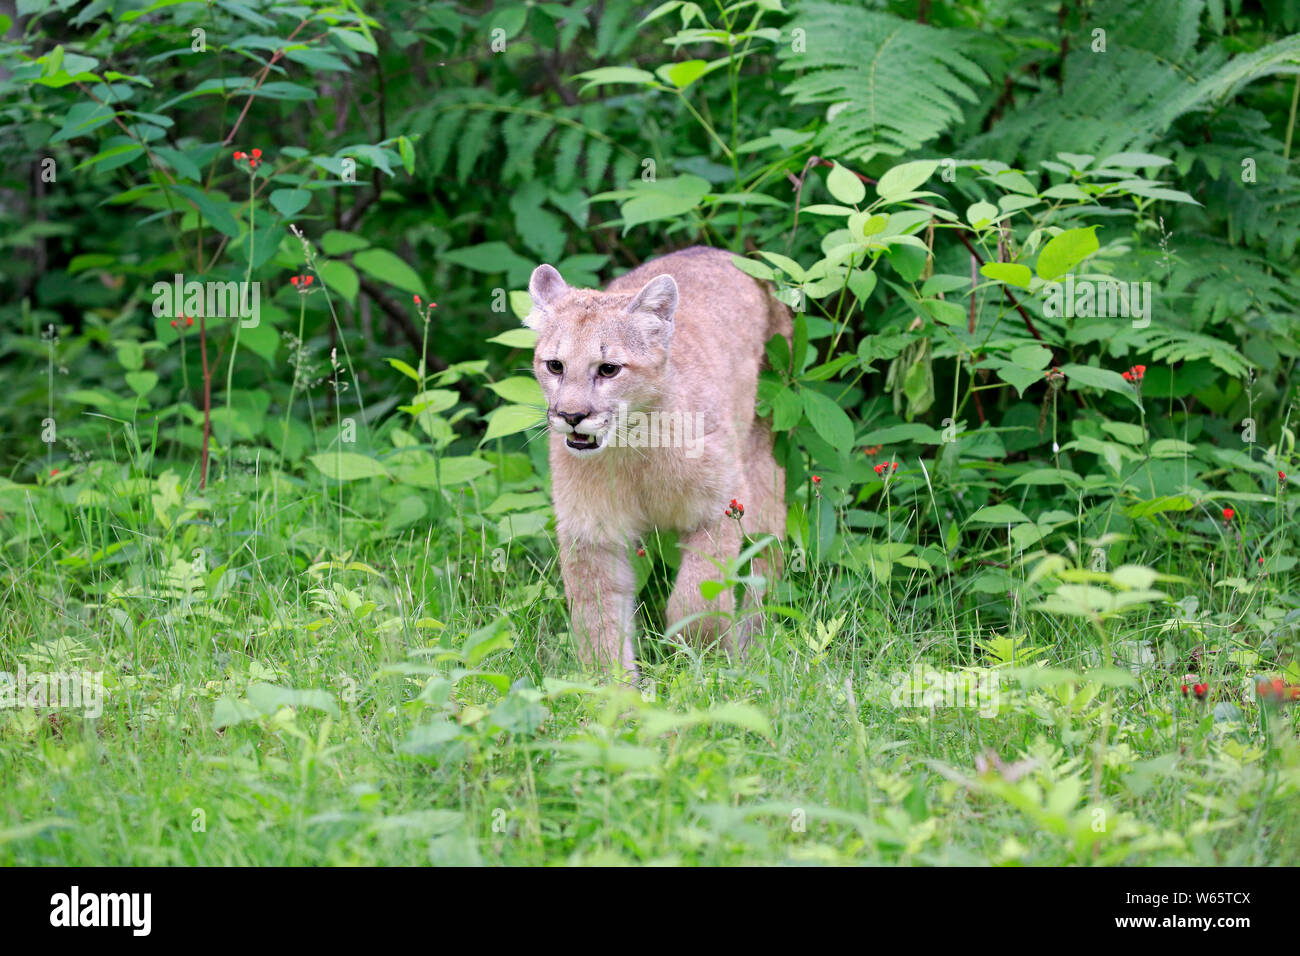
column 452, row 727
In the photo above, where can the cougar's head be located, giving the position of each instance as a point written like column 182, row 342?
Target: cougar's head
column 598, row 353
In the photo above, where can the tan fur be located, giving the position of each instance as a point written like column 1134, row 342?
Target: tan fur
column 690, row 344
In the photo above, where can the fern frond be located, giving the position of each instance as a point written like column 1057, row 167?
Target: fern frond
column 892, row 85
column 1219, row 283
column 1169, row 345
column 1129, row 96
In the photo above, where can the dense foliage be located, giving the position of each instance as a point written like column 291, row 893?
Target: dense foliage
column 1019, row 468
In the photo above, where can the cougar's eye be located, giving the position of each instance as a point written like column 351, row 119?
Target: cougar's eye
column 608, row 370
column 555, row 367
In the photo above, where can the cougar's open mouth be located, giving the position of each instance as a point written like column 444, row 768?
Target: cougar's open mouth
column 582, row 442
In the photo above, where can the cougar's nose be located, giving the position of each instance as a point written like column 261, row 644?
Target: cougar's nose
column 572, row 417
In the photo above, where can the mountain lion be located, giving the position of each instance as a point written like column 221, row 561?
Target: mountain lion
column 650, row 389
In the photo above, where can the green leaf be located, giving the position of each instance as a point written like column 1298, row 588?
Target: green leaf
column 1031, row 356
column 905, row 179
column 83, row 118
column 113, row 157
column 521, row 304
column 522, row 390
column 1020, row 378
column 1126, row 432
column 616, row 74
column 1012, row 202
column 1159, row 505
column 386, row 267
column 664, row 199
column 862, row 284
column 217, row 213
column 710, row 589
column 1133, row 576
column 405, row 369
column 509, row 419
column 1046, row 476
column 982, row 213
column 341, row 278
column 229, row 711
column 1012, row 273
column 459, row 469
column 786, row 410
column 318, row 61
column 941, row 310
column 756, row 269
column 433, row 400
column 845, row 186
column 786, row 265
column 285, row 91
column 336, row 243
column 1171, row 448
column 828, row 419
column 1015, row 182
column 490, row 258
column 894, row 434
column 179, row 162
column 1103, row 378
column 998, row 514
column 1065, row 251
column 445, row 471
column 1134, row 160
column 347, row 466
column 486, row 640
column 406, row 150
column 268, row 699
column 683, row 74
column 658, row 721
column 358, row 40
column 289, row 202
column 516, row 339
column 142, row 383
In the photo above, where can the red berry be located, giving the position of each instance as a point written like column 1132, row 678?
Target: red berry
column 1228, row 513
column 53, row 472
column 879, row 468
column 188, row 320
column 1281, row 476
column 816, row 480
column 1128, row 376
column 293, row 280
column 308, row 280
column 1184, row 690
column 415, row 299
column 173, row 323
column 640, row 552
column 257, row 153
column 239, row 154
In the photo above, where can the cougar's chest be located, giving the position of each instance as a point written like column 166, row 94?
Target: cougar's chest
column 670, row 491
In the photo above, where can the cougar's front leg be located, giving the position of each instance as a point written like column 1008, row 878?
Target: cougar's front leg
column 601, row 588
column 701, row 550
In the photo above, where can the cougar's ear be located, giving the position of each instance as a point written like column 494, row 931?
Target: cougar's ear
column 546, row 288
column 653, row 308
